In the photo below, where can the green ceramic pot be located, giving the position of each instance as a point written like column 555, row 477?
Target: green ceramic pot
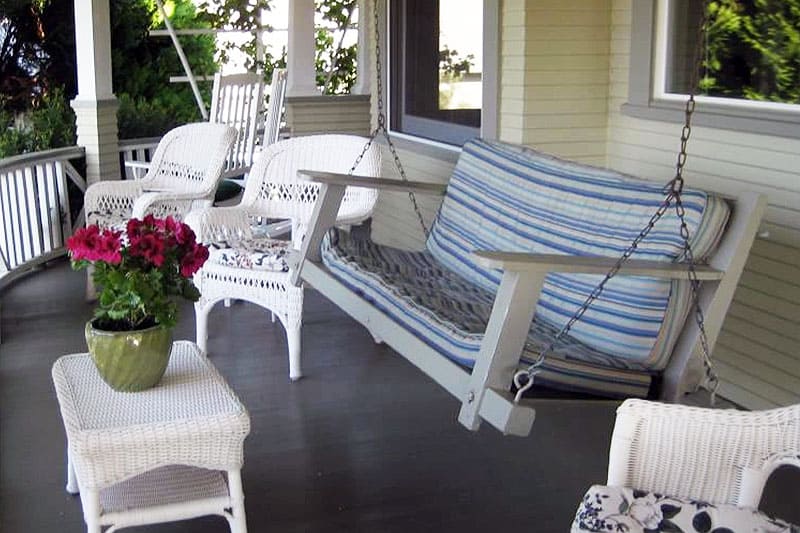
column 130, row 361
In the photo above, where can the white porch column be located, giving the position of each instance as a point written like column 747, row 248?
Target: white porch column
column 95, row 105
column 301, row 50
column 363, row 51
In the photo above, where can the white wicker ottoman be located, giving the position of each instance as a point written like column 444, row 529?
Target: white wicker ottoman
column 169, row 453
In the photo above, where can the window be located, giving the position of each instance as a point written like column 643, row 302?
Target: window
column 436, row 68
column 749, row 75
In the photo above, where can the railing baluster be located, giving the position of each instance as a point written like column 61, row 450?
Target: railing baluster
column 39, row 224
column 5, row 214
column 54, row 237
column 17, row 200
column 30, row 238
column 63, row 203
column 34, row 208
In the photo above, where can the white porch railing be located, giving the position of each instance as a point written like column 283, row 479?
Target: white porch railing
column 136, row 153
column 34, row 208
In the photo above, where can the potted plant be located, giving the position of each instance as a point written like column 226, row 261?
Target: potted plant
column 140, row 272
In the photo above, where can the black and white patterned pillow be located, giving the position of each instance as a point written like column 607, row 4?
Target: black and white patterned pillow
column 626, row 510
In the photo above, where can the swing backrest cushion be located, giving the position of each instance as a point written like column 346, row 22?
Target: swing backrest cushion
column 511, row 198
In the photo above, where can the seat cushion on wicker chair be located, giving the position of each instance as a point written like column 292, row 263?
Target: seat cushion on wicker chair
column 624, row 509
column 256, row 253
column 450, row 313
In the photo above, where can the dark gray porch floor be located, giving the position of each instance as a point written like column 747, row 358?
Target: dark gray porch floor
column 365, row 442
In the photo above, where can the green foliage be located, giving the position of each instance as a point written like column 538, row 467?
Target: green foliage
column 753, row 50
column 149, row 104
column 452, row 65
column 37, row 68
column 51, row 124
column 239, row 15
column 335, row 63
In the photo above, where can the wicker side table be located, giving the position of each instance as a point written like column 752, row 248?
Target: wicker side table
column 168, row 453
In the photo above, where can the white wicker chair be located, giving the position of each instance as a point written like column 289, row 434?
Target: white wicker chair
column 694, row 454
column 184, row 173
column 273, row 191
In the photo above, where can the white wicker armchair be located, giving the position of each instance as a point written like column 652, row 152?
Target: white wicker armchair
column 247, row 266
column 183, row 174
column 678, row 463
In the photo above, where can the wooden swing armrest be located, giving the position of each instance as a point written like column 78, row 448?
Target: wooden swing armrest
column 522, row 262
column 385, row 184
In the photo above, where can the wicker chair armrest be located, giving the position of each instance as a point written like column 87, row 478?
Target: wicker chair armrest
column 216, row 223
column 113, row 188
column 151, row 197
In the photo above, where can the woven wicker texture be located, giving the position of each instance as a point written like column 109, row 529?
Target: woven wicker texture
column 190, row 418
column 712, row 455
column 184, row 173
column 274, row 191
column 164, row 486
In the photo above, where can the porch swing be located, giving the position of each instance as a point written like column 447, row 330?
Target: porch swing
column 540, row 270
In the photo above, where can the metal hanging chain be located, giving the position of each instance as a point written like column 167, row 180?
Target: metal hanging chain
column 523, row 379
column 381, row 127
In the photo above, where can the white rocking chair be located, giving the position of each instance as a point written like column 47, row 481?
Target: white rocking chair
column 277, row 93
column 238, row 101
column 247, row 265
column 679, row 468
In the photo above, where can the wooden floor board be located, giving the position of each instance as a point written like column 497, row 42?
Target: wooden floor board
column 365, row 442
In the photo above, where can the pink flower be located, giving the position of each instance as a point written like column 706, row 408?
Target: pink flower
column 184, row 234
column 150, row 247
column 134, row 228
column 109, row 247
column 193, row 260
column 90, row 244
column 83, row 242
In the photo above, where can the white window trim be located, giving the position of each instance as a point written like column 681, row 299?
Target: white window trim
column 490, row 82
column 647, row 99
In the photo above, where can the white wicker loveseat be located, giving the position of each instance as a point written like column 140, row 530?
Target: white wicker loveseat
column 679, row 468
column 518, row 233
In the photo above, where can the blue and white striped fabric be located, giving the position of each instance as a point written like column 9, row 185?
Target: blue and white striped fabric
column 511, row 198
column 508, row 198
column 450, row 313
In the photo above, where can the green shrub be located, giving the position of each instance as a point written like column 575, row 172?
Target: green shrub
column 138, row 117
column 51, row 124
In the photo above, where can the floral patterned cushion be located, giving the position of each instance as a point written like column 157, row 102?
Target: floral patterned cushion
column 621, row 509
column 257, row 253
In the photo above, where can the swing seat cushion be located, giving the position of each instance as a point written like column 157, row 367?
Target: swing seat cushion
column 510, row 198
column 450, row 313
column 605, row 509
column 255, row 253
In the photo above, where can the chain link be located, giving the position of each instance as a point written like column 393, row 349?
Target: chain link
column 381, row 128
column 523, row 379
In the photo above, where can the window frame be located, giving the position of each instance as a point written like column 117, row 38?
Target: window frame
column 647, row 101
column 427, row 129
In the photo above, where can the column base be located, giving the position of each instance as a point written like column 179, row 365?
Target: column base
column 96, row 122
